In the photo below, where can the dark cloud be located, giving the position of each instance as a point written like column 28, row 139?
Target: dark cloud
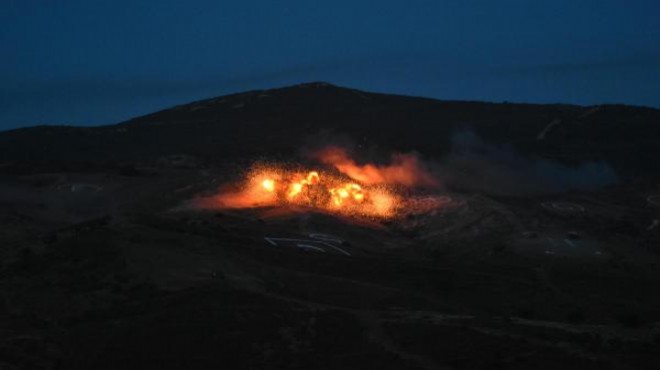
column 476, row 165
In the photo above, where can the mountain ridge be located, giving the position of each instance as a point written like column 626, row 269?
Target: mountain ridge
column 275, row 122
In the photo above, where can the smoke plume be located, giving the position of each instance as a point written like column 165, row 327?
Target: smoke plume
column 404, row 169
column 476, row 165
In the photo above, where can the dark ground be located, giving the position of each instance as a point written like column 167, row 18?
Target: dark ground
column 103, row 269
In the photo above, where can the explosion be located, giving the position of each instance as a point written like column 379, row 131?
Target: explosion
column 346, row 187
column 405, row 169
column 277, row 185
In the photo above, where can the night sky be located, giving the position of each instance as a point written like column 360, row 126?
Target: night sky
column 85, row 62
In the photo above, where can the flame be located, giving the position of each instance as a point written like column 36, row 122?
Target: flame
column 268, row 185
column 348, row 192
column 275, row 185
column 356, row 189
column 405, row 169
column 260, row 189
column 296, row 188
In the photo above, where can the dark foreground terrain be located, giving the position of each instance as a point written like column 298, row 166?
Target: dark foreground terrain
column 103, row 267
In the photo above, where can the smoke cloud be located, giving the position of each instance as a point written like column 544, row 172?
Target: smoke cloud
column 404, row 169
column 472, row 164
column 475, row 165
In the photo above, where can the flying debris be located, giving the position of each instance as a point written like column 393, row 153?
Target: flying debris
column 277, row 185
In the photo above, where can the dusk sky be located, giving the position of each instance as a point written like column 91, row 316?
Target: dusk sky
column 83, row 62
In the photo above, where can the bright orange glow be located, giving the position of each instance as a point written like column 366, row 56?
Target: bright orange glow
column 405, row 169
column 295, row 189
column 382, row 202
column 275, row 185
column 313, row 178
column 260, row 189
column 268, row 185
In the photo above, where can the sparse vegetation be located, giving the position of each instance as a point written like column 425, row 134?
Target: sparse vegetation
column 132, row 276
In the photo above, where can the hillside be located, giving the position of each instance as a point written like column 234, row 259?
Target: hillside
column 504, row 236
column 280, row 121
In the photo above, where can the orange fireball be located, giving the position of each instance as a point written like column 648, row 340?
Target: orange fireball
column 268, row 185
column 277, row 185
